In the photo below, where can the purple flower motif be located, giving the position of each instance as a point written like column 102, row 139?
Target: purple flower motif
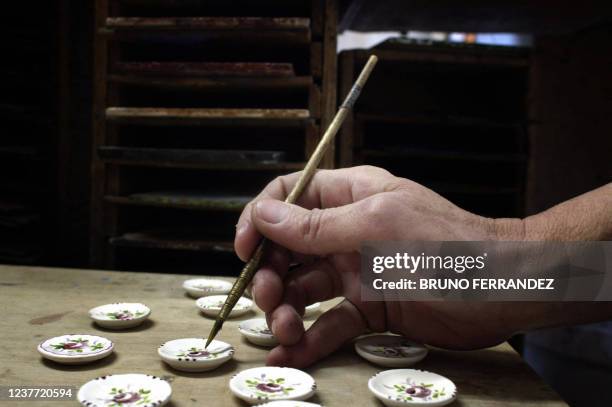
column 269, row 387
column 74, row 345
column 121, row 315
column 391, row 351
column 128, row 397
column 418, row 391
column 198, row 354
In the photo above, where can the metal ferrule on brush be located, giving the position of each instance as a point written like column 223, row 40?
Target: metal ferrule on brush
column 238, row 289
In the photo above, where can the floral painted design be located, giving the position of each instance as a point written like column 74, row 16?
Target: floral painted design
column 411, row 390
column 264, row 388
column 197, row 353
column 76, row 346
column 124, row 315
column 120, row 397
column 395, row 351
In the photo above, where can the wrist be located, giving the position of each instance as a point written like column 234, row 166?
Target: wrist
column 507, row 229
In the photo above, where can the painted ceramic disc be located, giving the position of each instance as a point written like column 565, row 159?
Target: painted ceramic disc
column 125, row 390
column 407, row 387
column 289, row 403
column 120, row 315
column 390, row 350
column 76, row 348
column 211, row 305
column 312, row 309
column 262, row 384
column 201, row 287
column 257, row 332
column 189, row 354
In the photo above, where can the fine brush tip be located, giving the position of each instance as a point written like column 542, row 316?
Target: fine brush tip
column 213, row 332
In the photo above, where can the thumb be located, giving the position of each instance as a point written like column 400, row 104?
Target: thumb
column 316, row 231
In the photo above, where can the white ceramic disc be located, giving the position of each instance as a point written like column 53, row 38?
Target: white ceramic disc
column 120, row 315
column 390, row 350
column 75, row 348
column 408, row 387
column 201, row 287
column 312, row 309
column 128, row 390
column 289, row 403
column 211, row 305
column 256, row 331
column 272, row 383
column 189, row 354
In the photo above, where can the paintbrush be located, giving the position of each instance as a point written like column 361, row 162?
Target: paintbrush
column 309, row 170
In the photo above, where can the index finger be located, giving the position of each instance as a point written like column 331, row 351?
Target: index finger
column 316, row 195
column 327, row 189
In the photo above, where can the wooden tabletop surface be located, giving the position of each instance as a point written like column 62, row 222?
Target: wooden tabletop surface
column 39, row 303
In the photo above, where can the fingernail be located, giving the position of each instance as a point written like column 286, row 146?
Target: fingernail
column 271, row 211
column 241, row 228
column 273, row 327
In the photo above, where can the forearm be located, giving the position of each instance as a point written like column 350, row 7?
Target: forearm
column 528, row 316
column 586, row 217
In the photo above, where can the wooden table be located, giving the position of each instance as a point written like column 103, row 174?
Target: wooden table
column 37, row 303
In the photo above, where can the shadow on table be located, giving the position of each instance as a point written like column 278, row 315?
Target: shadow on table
column 245, row 341
column 314, row 399
column 489, row 374
column 76, row 368
column 147, row 324
column 223, row 370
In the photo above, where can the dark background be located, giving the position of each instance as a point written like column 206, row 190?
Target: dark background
column 541, row 136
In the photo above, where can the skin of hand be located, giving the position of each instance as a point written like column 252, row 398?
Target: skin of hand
column 323, row 232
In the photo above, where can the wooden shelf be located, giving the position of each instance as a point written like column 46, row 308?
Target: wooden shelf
column 176, row 77
column 272, row 30
column 195, row 116
column 209, row 23
column 183, row 200
column 206, row 69
column 190, row 155
column 169, row 241
column 196, row 159
column 282, row 166
column 264, row 83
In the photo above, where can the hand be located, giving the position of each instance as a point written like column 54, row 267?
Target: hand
column 323, row 233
